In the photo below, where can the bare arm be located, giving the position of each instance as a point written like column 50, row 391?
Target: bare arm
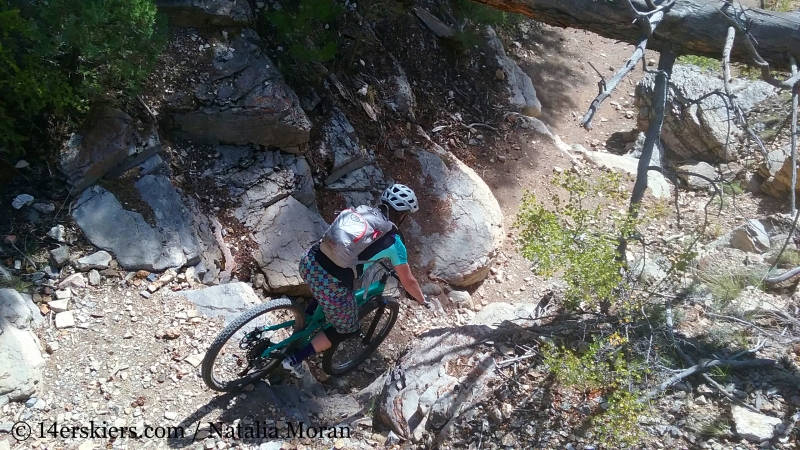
column 410, row 283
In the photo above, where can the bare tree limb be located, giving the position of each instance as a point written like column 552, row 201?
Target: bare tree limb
column 793, row 190
column 665, row 63
column 736, row 20
column 705, row 366
column 607, row 88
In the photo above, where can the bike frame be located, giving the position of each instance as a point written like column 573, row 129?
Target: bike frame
column 317, row 322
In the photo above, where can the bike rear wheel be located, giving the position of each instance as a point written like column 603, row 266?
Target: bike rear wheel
column 376, row 319
column 234, row 358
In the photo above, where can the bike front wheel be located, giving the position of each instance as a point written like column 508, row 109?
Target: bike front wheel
column 376, row 319
column 235, row 358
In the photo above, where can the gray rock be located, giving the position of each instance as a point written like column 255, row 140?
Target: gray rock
column 520, row 86
column 44, row 208
column 173, row 242
column 151, row 165
column 59, row 256
column 399, row 96
column 58, row 306
column 750, row 237
column 261, row 178
column 431, row 289
column 63, row 294
column 51, row 272
column 21, row 201
column 701, row 130
column 471, row 232
column 460, row 298
column 246, row 102
column 637, row 146
column 97, row 260
column 204, row 13
column 57, row 233
column 701, row 168
column 656, row 183
column 419, row 382
column 495, row 314
column 65, row 319
column 110, row 145
column 227, row 300
column 752, row 426
column 340, row 146
column 284, row 232
column 94, row 278
column 21, row 361
column 361, row 186
column 650, row 269
column 439, row 28
column 74, row 281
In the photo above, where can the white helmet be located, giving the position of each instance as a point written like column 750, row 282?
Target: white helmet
column 401, row 198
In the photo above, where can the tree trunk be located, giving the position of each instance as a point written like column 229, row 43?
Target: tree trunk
column 690, row 27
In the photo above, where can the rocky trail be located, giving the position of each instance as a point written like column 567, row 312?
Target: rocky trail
column 190, row 207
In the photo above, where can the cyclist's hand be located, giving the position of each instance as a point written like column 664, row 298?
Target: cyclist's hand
column 427, row 303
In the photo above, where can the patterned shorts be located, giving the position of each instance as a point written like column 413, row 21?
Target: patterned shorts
column 338, row 303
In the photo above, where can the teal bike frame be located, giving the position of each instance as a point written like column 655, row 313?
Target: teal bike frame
column 317, row 322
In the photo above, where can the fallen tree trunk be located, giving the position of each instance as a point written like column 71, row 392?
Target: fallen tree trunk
column 690, row 27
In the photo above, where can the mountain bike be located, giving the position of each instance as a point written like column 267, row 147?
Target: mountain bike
column 254, row 345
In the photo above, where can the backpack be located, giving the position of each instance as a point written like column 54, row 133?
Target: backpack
column 352, row 232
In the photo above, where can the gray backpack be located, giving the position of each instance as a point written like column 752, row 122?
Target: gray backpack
column 351, row 233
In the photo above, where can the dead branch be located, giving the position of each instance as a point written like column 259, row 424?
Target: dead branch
column 665, row 63
column 736, row 20
column 789, row 273
column 649, row 21
column 703, row 367
column 730, row 397
column 793, row 189
column 607, row 88
column 741, row 321
column 230, row 263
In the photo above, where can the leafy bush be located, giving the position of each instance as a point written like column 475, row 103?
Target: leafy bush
column 604, row 369
column 580, row 241
column 305, row 29
column 707, row 64
column 59, row 57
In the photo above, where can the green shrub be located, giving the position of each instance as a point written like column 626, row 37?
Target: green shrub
column 604, row 368
column 580, row 240
column 486, row 15
column 701, row 62
column 305, row 29
column 59, row 57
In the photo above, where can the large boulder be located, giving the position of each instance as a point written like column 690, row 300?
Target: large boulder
column 777, row 173
column 109, row 144
column 21, row 361
column 360, row 187
column 204, row 13
column 466, row 224
column 284, row 232
column 339, row 147
column 225, row 300
column 245, row 101
column 520, row 87
column 260, row 178
column 700, row 130
column 424, row 392
column 172, row 241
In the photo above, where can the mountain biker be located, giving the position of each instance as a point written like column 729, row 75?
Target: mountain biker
column 332, row 286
